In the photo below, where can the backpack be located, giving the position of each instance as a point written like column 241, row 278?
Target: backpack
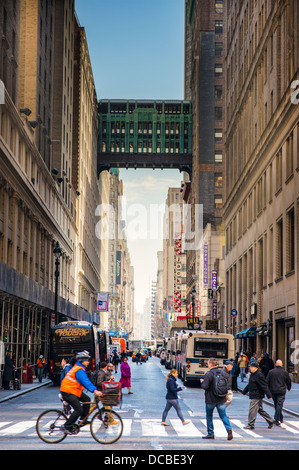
column 93, row 377
column 220, row 384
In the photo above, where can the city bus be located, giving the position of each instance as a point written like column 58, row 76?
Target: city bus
column 66, row 340
column 194, row 348
column 104, row 343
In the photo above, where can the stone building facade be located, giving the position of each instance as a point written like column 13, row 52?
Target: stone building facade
column 261, row 211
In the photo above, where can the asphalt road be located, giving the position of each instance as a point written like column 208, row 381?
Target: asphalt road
column 143, row 434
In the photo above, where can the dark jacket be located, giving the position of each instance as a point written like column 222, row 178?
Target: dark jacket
column 229, row 377
column 8, row 368
column 278, row 381
column 207, row 385
column 102, row 376
column 172, row 388
column 266, row 364
column 257, row 386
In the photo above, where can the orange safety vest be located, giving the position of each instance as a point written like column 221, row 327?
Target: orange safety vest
column 41, row 362
column 70, row 384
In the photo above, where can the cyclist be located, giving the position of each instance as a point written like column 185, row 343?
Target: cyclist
column 72, row 387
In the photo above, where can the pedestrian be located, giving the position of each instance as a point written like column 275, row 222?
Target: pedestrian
column 66, row 366
column 40, row 364
column 214, row 400
column 227, row 369
column 72, row 386
column 115, row 360
column 103, row 375
column 172, row 397
column 243, row 364
column 235, row 372
column 266, row 364
column 279, row 382
column 253, row 359
column 125, row 379
column 138, row 357
column 8, row 370
column 257, row 388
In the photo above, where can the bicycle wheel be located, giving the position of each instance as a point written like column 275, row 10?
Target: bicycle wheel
column 48, row 426
column 106, row 426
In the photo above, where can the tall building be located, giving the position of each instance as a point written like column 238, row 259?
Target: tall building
column 262, row 161
column 39, row 206
column 205, row 33
column 174, row 257
column 91, row 249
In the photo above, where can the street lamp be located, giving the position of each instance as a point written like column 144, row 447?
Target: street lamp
column 57, row 254
column 193, row 292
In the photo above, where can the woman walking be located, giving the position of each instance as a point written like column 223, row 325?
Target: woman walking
column 125, row 375
column 172, row 397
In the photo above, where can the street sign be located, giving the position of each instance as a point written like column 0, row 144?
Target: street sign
column 234, row 313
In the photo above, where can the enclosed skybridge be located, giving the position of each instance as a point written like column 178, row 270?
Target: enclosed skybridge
column 145, row 134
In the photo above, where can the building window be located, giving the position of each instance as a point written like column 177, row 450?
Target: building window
column 218, row 202
column 218, row 136
column 218, row 70
column 290, row 240
column 279, row 249
column 218, row 26
column 218, row 92
column 219, row 6
column 218, row 114
column 218, row 156
column 218, row 49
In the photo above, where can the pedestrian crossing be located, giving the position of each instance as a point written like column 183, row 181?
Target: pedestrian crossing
column 147, row 427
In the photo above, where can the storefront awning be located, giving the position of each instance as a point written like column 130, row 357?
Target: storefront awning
column 248, row 333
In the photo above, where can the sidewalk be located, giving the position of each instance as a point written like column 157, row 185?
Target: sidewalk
column 6, row 395
column 291, row 404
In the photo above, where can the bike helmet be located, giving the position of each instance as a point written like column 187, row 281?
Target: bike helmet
column 83, row 356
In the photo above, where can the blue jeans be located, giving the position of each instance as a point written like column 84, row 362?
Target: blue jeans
column 221, row 408
column 176, row 406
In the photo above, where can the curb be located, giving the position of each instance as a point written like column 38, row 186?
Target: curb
column 22, row 392
column 268, row 402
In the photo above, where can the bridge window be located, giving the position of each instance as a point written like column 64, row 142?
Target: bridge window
column 131, row 147
column 186, row 109
column 158, row 147
column 131, row 127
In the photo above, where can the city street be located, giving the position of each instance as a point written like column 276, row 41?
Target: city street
column 141, row 413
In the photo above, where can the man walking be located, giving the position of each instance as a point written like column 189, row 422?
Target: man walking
column 279, row 382
column 214, row 400
column 257, row 388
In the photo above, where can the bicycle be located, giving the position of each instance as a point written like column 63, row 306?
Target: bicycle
column 106, row 424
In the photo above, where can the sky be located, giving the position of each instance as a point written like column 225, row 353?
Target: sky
column 136, row 49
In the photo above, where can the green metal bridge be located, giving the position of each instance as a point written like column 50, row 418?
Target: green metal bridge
column 145, row 134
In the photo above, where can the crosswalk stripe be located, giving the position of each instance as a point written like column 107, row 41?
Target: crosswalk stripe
column 294, row 423
column 293, row 431
column 5, row 423
column 152, row 427
column 219, row 428
column 16, row 428
column 127, row 427
column 189, row 430
column 238, row 423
